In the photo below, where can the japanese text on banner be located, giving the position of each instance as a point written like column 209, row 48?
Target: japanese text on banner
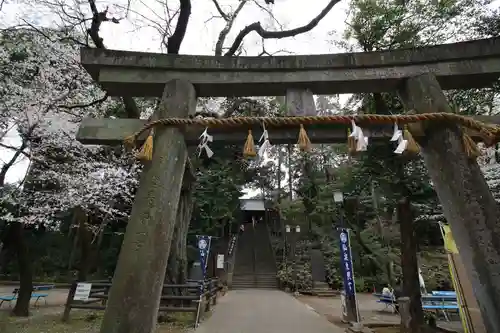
column 346, row 262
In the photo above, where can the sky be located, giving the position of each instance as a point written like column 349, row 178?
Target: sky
column 138, row 33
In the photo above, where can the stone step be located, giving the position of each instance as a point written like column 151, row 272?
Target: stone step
column 257, row 276
column 244, row 278
column 253, row 278
column 236, row 286
column 267, row 282
column 255, row 283
column 257, row 287
column 321, row 292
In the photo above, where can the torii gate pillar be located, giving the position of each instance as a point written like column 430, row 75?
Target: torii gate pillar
column 468, row 204
column 138, row 281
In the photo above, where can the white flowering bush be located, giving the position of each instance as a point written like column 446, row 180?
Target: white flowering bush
column 44, row 94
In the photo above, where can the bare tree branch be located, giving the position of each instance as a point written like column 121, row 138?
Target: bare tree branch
column 81, row 106
column 174, row 41
column 97, row 18
column 18, row 151
column 5, row 168
column 219, row 9
column 266, row 34
column 70, row 38
column 227, row 28
column 269, row 12
column 264, row 52
column 23, row 152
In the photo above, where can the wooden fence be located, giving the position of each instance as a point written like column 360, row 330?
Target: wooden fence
column 196, row 297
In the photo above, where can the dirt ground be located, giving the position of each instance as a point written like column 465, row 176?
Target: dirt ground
column 49, row 314
column 81, row 322
column 371, row 312
column 47, row 317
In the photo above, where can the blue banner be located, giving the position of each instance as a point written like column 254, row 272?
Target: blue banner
column 346, row 263
column 204, row 243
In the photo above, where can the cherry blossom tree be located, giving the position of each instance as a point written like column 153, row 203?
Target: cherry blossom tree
column 44, row 95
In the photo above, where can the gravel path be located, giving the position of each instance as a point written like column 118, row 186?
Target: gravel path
column 264, row 311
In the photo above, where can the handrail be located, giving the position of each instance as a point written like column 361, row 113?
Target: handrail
column 206, row 295
column 270, row 244
column 254, row 252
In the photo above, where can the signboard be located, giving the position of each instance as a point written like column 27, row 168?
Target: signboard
column 220, row 261
column 346, row 263
column 82, row 291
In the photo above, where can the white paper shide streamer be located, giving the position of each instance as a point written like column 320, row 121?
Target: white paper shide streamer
column 359, row 136
column 205, row 138
column 398, row 136
column 264, row 138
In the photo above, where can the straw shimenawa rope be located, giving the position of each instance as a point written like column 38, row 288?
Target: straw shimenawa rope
column 488, row 133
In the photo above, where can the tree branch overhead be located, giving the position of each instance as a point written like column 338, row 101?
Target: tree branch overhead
column 266, row 34
column 174, row 41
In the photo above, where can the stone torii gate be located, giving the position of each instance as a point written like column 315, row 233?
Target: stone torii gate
column 419, row 75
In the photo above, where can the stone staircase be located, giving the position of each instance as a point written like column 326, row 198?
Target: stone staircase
column 321, row 289
column 254, row 267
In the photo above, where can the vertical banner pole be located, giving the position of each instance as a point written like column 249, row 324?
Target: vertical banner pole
column 208, row 251
column 348, row 273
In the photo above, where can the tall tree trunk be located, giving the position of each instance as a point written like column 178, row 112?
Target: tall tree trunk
column 21, row 308
column 409, row 264
column 8, row 240
column 74, row 226
column 95, row 250
column 290, row 179
column 388, row 264
column 83, row 239
column 85, row 247
column 351, row 214
column 177, row 269
column 310, row 193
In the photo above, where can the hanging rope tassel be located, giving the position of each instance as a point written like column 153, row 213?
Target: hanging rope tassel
column 303, row 141
column 470, row 147
column 146, row 152
column 129, row 142
column 412, row 146
column 249, row 148
column 351, row 143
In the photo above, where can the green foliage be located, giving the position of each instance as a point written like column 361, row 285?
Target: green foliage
column 378, row 177
column 217, row 192
column 391, row 24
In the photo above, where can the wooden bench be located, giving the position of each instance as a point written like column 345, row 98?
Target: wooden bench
column 38, row 296
column 438, row 301
column 441, row 301
column 389, row 302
